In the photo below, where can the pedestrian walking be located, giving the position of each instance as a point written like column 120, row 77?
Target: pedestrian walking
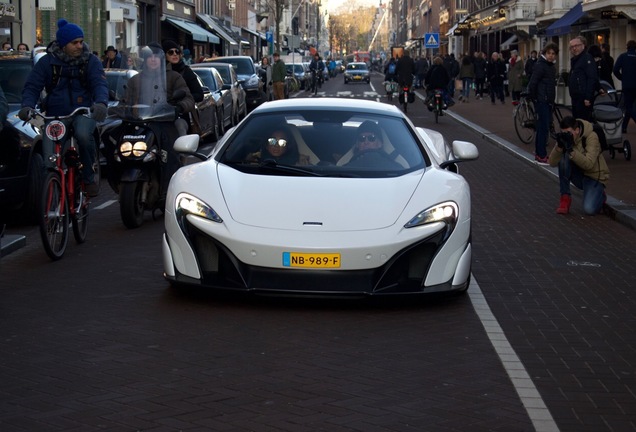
column 279, row 72
column 583, row 79
column 529, row 64
column 421, row 68
column 267, row 75
column 542, row 89
column 480, row 74
column 496, row 72
column 608, row 60
column 467, row 75
column 625, row 71
column 515, row 76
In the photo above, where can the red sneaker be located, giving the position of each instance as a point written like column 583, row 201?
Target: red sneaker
column 564, row 204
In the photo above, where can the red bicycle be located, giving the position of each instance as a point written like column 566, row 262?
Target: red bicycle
column 64, row 199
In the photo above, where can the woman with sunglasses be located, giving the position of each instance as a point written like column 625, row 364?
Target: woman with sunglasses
column 281, row 148
column 174, row 61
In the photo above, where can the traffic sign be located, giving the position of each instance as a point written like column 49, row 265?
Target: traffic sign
column 431, row 40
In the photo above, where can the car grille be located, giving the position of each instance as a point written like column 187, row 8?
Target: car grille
column 404, row 273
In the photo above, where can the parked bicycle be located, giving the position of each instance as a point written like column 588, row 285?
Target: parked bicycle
column 64, row 200
column 525, row 119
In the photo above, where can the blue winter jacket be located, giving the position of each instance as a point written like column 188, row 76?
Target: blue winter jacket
column 81, row 82
column 625, row 69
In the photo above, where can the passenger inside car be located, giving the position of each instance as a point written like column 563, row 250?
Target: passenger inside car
column 281, row 147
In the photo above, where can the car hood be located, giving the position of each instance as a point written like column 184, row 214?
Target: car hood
column 300, row 202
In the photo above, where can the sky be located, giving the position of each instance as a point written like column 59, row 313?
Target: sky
column 333, row 5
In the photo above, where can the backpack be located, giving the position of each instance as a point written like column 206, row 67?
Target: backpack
column 392, row 68
column 602, row 139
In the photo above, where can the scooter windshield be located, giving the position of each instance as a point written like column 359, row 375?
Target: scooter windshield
column 146, row 96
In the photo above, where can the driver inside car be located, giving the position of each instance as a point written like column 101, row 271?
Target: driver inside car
column 280, row 147
column 368, row 151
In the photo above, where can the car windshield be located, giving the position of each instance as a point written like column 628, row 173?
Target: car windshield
column 324, row 143
column 225, row 74
column 117, row 81
column 13, row 75
column 357, row 66
column 298, row 68
column 242, row 66
column 206, row 77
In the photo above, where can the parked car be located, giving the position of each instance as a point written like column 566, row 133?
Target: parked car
column 21, row 163
column 357, row 72
column 282, row 205
column 230, row 83
column 226, row 111
column 301, row 73
column 248, row 77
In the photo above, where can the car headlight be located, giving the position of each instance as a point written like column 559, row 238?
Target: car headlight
column 187, row 204
column 252, row 82
column 444, row 212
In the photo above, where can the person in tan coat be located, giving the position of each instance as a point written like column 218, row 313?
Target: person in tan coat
column 578, row 156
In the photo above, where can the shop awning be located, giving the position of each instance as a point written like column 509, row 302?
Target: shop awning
column 562, row 25
column 217, row 28
column 198, row 33
column 510, row 41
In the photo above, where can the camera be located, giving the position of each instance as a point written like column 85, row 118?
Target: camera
column 565, row 140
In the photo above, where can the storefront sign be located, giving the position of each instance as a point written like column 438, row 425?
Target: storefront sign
column 611, row 14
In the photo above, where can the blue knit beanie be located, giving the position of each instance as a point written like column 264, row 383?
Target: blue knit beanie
column 67, row 32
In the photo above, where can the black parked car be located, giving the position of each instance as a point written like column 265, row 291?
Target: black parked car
column 21, row 164
column 248, row 77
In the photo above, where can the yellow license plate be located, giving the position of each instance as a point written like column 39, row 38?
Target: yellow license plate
column 311, row 260
column 357, row 77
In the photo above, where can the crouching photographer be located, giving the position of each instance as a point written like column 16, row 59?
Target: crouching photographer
column 578, row 156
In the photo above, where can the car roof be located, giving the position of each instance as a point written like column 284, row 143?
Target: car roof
column 331, row 104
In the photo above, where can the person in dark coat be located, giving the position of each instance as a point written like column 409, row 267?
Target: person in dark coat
column 625, row 70
column 405, row 69
column 583, row 79
column 113, row 59
column 542, row 89
column 174, row 61
column 437, row 78
column 530, row 62
column 496, row 72
column 73, row 77
column 480, row 74
column 606, row 74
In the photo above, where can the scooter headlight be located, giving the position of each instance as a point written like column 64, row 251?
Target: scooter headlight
column 137, row 149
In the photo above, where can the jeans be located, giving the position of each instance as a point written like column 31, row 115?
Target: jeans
column 630, row 108
column 544, row 116
column 82, row 128
column 467, row 83
column 479, row 84
column 593, row 191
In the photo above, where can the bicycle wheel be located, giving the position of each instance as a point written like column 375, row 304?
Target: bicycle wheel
column 54, row 218
column 80, row 216
column 524, row 119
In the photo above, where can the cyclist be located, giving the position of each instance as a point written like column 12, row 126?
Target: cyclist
column 405, row 69
column 316, row 67
column 72, row 77
column 437, row 78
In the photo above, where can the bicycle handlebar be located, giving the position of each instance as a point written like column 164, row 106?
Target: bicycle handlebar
column 79, row 110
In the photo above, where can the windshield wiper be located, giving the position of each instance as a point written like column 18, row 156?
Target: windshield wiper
column 272, row 164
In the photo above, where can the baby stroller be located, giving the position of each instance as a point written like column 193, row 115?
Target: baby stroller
column 609, row 115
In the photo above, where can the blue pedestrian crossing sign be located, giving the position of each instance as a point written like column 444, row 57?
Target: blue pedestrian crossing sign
column 431, row 40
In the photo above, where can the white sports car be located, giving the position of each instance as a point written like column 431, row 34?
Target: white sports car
column 322, row 196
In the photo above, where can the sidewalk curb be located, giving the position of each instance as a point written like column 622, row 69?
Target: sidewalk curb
column 623, row 213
